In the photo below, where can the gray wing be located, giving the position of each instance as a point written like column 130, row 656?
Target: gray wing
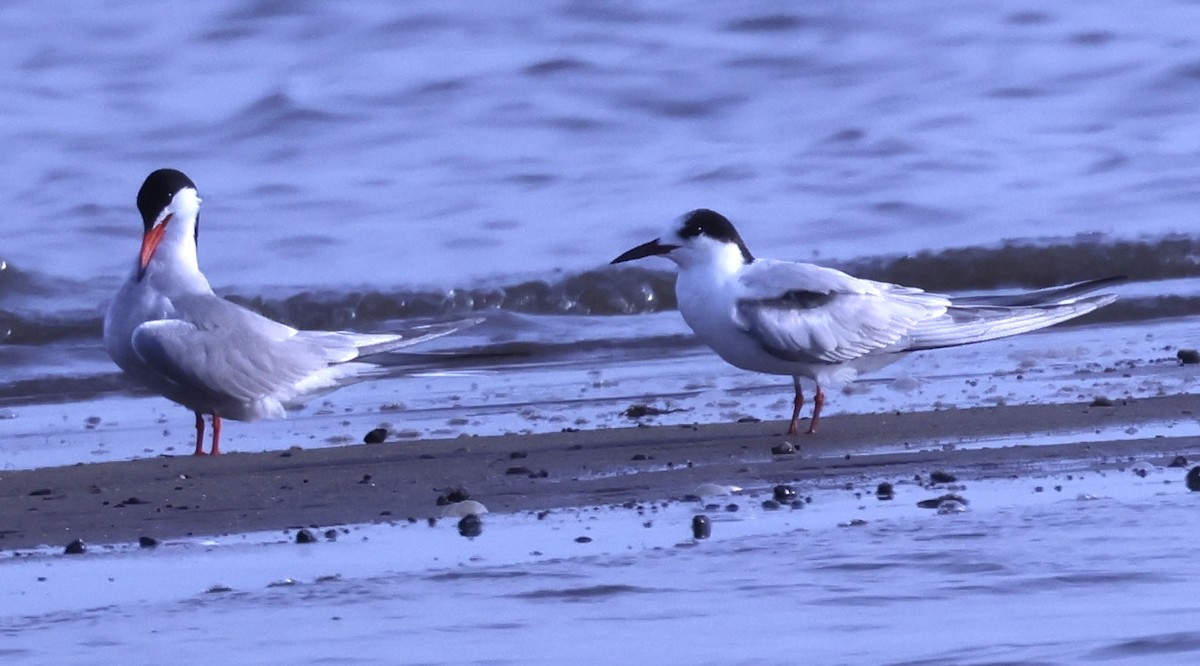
column 964, row 324
column 221, row 350
column 808, row 313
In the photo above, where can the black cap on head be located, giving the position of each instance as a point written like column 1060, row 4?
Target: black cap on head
column 158, row 191
column 705, row 222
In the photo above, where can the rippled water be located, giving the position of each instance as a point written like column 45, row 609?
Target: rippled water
column 367, row 163
column 375, row 164
column 1097, row 569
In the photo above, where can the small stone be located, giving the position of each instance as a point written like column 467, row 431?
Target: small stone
column 642, row 411
column 376, row 436
column 784, row 449
column 41, row 492
column 76, row 547
column 701, row 527
column 1101, row 401
column 304, row 536
column 463, row 508
column 518, row 471
column 470, row 526
column 937, row 501
column 783, row 493
column 147, row 542
column 218, row 589
column 517, row 455
column 331, row 535
column 731, row 508
column 938, row 476
column 365, row 480
column 854, row 522
column 1188, row 356
column 770, row 505
column 639, row 457
column 884, row 491
column 458, row 495
column 1193, row 479
column 583, row 539
column 1179, row 461
column 951, row 506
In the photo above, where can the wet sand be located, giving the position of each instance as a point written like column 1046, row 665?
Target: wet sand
column 182, row 496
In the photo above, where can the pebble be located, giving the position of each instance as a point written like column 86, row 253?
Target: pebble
column 376, row 436
column 463, row 508
column 76, row 547
column 884, row 491
column 1179, row 461
column 937, row 501
column 951, row 506
column 770, row 505
column 701, row 527
column 583, row 539
column 470, row 526
column 147, row 542
column 304, row 536
column 331, row 535
column 41, row 492
column 938, row 476
column 1188, row 356
column 1193, row 479
column 518, row 471
column 1101, row 401
column 786, row 448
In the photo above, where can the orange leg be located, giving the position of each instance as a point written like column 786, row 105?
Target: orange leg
column 199, row 434
column 818, row 403
column 216, row 447
column 794, row 427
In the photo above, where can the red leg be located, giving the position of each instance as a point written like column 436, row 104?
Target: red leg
column 216, row 447
column 199, row 434
column 818, row 403
column 796, row 405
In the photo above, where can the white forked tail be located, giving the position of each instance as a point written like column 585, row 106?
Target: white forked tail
column 966, row 323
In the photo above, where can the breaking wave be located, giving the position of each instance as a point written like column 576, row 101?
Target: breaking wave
column 619, row 290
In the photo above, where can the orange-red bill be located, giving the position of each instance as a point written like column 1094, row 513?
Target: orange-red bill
column 150, row 243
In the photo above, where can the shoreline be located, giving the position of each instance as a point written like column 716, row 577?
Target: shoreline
column 181, row 496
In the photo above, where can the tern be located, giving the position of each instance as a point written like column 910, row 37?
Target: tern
column 804, row 320
column 170, row 332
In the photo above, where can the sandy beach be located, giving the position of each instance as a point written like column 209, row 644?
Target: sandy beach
column 181, row 496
